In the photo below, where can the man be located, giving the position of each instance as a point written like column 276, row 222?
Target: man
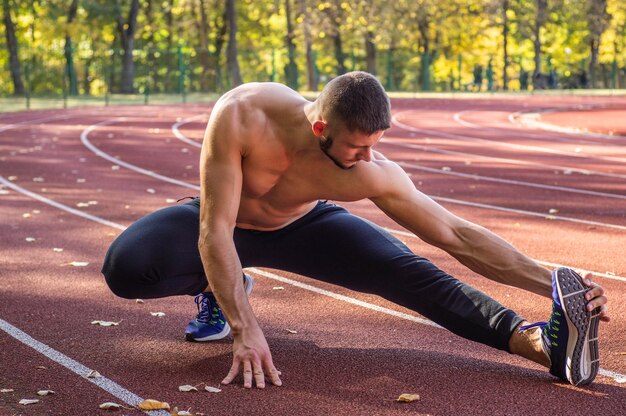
column 270, row 162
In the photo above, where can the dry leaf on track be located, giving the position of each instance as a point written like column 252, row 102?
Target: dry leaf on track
column 212, row 389
column 28, row 401
column 139, row 301
column 553, row 211
column 278, row 288
column 105, row 323
column 57, row 250
column 93, row 374
column 6, row 390
column 187, row 388
column 44, row 392
column 291, row 331
column 408, row 398
column 150, row 404
column 177, row 412
column 30, row 239
column 79, row 263
column 110, row 406
column 157, row 314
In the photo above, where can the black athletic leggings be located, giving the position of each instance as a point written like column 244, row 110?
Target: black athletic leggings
column 158, row 256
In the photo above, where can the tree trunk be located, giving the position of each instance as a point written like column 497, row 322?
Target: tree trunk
column 370, row 52
column 312, row 78
column 207, row 80
column 291, row 69
column 127, row 36
column 14, row 62
column 220, row 40
column 598, row 21
column 540, row 20
column 505, row 43
column 232, row 57
column 69, row 51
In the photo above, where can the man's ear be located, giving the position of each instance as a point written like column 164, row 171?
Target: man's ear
column 318, row 127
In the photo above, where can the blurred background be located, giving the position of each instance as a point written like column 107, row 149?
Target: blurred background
column 146, row 51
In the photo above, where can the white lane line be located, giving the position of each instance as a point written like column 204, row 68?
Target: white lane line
column 512, row 182
column 458, row 117
column 33, row 121
column 617, row 376
column 343, row 298
column 77, row 368
column 494, row 142
column 429, row 148
column 182, row 137
column 530, row 119
column 48, row 201
column 85, row 140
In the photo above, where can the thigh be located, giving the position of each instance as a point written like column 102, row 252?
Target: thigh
column 158, row 255
column 333, row 245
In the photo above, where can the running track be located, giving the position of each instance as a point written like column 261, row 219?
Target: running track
column 548, row 174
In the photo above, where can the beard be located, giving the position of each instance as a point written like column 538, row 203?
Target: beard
column 325, row 145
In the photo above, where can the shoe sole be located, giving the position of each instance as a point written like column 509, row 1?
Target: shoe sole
column 247, row 285
column 582, row 344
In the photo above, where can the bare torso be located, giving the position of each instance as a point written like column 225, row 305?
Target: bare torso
column 284, row 171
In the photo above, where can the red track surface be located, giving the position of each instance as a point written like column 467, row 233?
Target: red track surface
column 344, row 358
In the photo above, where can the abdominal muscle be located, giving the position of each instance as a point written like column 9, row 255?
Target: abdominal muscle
column 256, row 214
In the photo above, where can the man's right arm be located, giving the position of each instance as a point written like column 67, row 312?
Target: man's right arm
column 221, row 184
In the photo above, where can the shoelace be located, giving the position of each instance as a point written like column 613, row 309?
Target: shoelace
column 208, row 312
column 553, row 325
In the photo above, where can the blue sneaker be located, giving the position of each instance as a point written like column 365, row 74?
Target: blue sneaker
column 571, row 336
column 210, row 323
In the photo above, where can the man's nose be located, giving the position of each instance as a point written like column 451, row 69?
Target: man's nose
column 365, row 155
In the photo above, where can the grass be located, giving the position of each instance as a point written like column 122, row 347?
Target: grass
column 11, row 104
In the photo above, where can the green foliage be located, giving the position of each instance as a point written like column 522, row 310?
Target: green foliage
column 180, row 45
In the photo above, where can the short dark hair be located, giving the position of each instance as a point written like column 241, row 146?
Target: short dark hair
column 358, row 100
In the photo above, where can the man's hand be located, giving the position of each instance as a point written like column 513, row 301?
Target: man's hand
column 251, row 352
column 596, row 297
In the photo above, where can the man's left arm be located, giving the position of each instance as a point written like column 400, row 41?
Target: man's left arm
column 474, row 246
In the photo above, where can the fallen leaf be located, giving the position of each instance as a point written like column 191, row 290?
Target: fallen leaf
column 187, row 388
column 553, row 211
column 36, row 211
column 44, row 392
column 150, row 191
column 27, row 215
column 41, row 367
column 446, row 169
column 177, row 412
column 57, row 250
column 109, row 406
column 170, row 200
column 150, row 404
column 93, row 374
column 6, row 390
column 278, row 288
column 212, row 389
column 408, row 398
column 30, row 239
column 28, row 401
column 79, row 263
column 12, row 178
column 159, row 314
column 82, row 204
column 291, row 331
column 38, row 179
column 105, row 323
column 115, row 167
column 139, row 301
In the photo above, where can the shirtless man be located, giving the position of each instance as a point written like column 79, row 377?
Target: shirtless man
column 270, row 162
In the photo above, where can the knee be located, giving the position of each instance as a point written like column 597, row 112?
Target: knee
column 125, row 271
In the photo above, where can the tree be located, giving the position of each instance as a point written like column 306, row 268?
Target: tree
column 69, row 51
column 291, row 69
column 311, row 69
column 126, row 30
column 598, row 21
column 12, row 44
column 231, row 57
